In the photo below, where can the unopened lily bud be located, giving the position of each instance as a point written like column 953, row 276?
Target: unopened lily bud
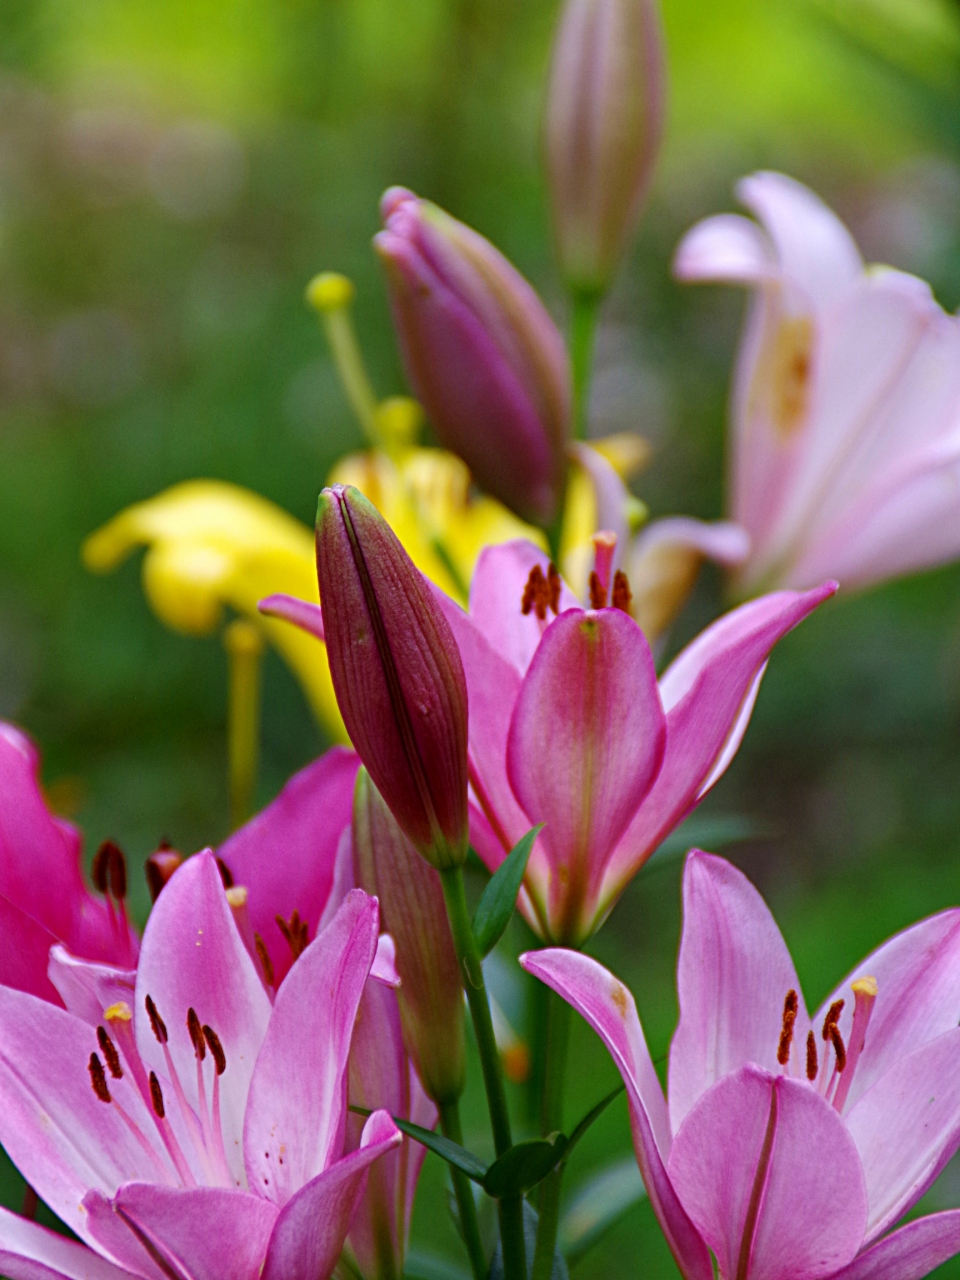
column 481, row 352
column 412, row 911
column 602, row 128
column 396, row 672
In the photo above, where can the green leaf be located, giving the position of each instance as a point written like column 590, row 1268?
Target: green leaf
column 709, row 831
column 424, row 1266
column 500, row 896
column 452, row 1152
column 523, row 1166
column 598, row 1205
column 593, row 1114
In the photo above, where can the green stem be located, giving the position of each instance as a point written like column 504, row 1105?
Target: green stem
column 551, row 1119
column 470, row 1227
column 586, row 310
column 510, row 1208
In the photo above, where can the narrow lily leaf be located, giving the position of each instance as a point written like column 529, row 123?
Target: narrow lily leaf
column 424, row 1266
column 593, row 1114
column 530, row 1220
column 523, row 1166
column 710, row 831
column 500, row 896
column 452, row 1152
column 598, row 1205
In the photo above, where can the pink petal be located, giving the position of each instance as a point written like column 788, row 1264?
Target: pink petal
column 297, row 1108
column 61, row 1137
column 193, row 957
column 733, row 974
column 86, row 988
column 31, row 1252
column 585, row 745
column 907, row 1127
column 609, row 1008
column 719, row 540
column 771, row 1179
column 814, row 249
column 301, row 613
column 203, row 1233
column 707, row 692
column 908, row 1254
column 918, row 995
column 610, row 494
column 384, row 967
column 24, row 950
column 312, row 1227
column 286, row 855
column 728, row 248
column 496, row 593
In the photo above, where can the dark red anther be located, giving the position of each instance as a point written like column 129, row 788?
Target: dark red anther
column 536, row 594
column 109, row 1051
column 100, row 868
column 554, row 585
column 216, row 1049
column 295, row 932
column 266, row 964
column 839, row 1048
column 117, row 868
column 156, row 1096
column 196, row 1034
column 622, row 595
column 790, row 1006
column 156, row 1022
column 159, row 867
column 598, row 592
column 225, row 874
column 812, row 1065
column 833, row 1016
column 98, row 1079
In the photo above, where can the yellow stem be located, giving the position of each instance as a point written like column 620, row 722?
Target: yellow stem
column 244, row 645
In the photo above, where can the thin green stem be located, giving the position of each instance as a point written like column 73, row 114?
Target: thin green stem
column 583, row 331
column 551, row 1119
column 510, row 1208
column 469, row 1226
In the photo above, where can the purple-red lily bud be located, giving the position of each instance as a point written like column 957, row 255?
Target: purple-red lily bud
column 481, row 353
column 396, row 672
column 602, row 128
column 413, row 912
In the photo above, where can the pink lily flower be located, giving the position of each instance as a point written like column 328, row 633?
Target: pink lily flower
column 789, row 1145
column 43, row 897
column 199, row 1130
column 568, row 725
column 846, row 402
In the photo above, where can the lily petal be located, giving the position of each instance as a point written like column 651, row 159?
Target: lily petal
column 585, row 745
column 31, row 1252
column 753, row 1150
column 24, row 947
column 907, row 1127
column 727, row 247
column 200, row 1233
column 609, row 1008
column 86, row 988
column 286, row 855
column 733, row 974
column 297, row 1108
column 910, row 1253
column 312, row 1226
column 193, row 957
column 301, row 613
column 708, row 693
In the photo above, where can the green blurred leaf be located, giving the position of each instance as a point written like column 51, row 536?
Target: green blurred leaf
column 530, row 1221
column 710, row 831
column 452, row 1152
column 598, row 1205
column 500, row 896
column 523, row 1166
column 424, row 1266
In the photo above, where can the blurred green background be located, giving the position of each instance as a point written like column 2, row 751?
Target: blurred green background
column 172, row 173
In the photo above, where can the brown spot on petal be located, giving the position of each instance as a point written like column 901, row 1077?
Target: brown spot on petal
column 618, row 994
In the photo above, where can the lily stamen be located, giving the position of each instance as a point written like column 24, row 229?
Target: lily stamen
column 790, row 1006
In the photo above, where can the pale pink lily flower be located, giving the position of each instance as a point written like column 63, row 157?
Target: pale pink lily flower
column 43, row 897
column 197, row 1131
column 845, row 458
column 789, row 1145
column 569, row 725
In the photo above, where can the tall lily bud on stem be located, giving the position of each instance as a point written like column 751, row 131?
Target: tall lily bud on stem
column 412, row 911
column 602, row 128
column 481, row 352
column 397, row 674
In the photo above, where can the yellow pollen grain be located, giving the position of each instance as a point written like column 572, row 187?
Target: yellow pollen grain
column 865, row 987
column 237, row 895
column 119, row 1012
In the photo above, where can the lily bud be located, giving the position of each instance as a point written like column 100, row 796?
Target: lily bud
column 396, row 672
column 602, row 129
column 412, row 911
column 481, row 352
